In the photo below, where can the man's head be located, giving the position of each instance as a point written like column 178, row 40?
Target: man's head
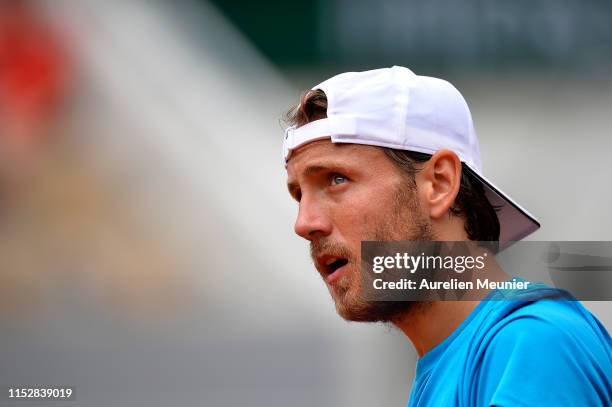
column 350, row 192
column 353, row 183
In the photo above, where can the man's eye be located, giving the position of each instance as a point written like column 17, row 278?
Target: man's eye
column 337, row 179
column 298, row 196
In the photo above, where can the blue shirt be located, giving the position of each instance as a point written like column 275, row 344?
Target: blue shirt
column 519, row 348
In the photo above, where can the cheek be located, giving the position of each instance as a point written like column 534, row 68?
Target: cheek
column 365, row 210
column 352, row 219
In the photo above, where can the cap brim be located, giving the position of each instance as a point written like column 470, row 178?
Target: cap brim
column 515, row 222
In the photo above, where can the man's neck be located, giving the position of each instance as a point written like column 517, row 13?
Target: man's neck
column 429, row 324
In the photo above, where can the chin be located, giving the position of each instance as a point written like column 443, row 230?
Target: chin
column 359, row 310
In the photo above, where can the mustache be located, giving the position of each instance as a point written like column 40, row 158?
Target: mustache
column 326, row 246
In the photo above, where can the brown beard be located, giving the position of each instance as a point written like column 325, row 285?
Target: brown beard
column 406, row 222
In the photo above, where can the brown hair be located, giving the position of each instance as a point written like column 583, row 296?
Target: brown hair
column 481, row 222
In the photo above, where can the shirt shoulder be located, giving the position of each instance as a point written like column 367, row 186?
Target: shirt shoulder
column 545, row 352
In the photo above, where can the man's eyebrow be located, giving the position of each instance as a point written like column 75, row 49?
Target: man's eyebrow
column 313, row 169
column 293, row 186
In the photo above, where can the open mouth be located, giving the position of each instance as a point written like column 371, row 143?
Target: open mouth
column 330, row 266
column 336, row 264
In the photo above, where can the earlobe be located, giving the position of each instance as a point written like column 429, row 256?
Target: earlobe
column 443, row 178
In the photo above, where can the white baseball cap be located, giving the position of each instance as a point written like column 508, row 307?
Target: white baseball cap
column 395, row 108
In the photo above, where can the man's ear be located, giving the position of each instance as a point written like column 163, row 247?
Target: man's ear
column 439, row 182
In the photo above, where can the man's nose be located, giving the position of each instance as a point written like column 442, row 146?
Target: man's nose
column 312, row 220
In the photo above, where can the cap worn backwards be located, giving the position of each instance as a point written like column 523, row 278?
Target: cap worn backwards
column 395, row 108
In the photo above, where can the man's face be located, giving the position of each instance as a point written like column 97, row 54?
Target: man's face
column 348, row 193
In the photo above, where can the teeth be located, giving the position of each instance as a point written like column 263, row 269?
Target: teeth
column 330, row 261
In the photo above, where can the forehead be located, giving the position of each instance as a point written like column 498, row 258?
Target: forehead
column 327, row 154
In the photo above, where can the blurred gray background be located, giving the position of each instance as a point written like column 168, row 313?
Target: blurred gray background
column 147, row 254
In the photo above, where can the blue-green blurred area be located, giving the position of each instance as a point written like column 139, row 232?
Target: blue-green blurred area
column 429, row 35
column 147, row 253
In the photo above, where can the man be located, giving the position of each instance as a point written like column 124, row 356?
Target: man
column 389, row 155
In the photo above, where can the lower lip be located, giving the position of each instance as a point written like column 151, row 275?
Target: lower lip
column 333, row 277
